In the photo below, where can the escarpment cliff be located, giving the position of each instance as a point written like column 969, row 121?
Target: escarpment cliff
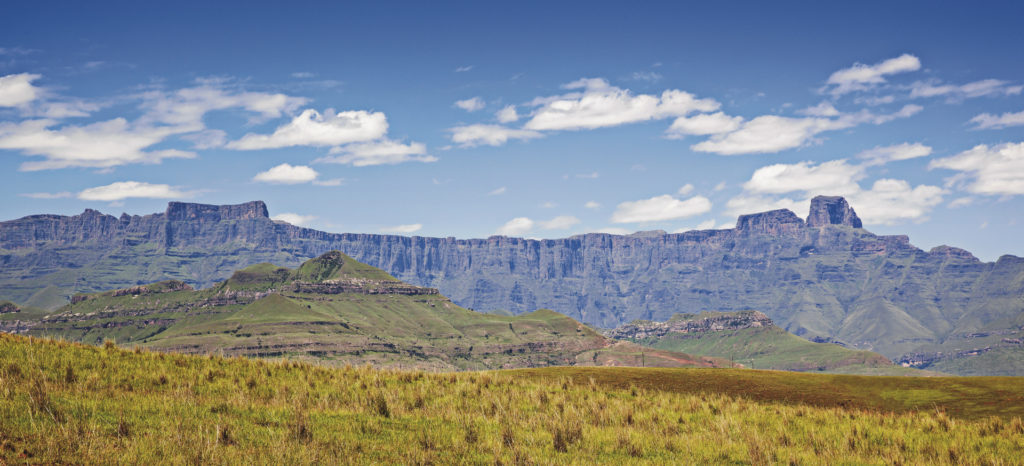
column 823, row 276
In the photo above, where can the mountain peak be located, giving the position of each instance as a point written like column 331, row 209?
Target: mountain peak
column 832, row 210
column 190, row 211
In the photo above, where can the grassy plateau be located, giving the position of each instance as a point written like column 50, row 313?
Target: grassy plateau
column 69, row 402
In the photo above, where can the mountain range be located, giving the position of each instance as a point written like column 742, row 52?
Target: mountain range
column 823, row 277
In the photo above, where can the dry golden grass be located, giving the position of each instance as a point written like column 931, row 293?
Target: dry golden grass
column 62, row 402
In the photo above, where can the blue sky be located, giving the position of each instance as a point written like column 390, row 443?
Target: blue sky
column 526, row 119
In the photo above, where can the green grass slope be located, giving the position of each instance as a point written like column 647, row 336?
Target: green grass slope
column 351, row 314
column 766, row 346
column 70, row 403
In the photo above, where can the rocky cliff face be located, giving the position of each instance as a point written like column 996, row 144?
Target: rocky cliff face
column 823, row 277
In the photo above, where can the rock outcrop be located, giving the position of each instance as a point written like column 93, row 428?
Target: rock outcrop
column 832, row 210
column 689, row 323
column 824, row 277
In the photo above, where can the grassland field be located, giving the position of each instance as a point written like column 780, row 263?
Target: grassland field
column 69, row 402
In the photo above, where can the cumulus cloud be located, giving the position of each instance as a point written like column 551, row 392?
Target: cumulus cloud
column 378, row 153
column 562, row 222
column 498, row 191
column 659, row 208
column 592, row 205
column 982, row 88
column 773, row 133
column 410, row 228
column 518, row 226
column 768, row 133
column 471, row 105
column 463, row 69
column 491, row 135
column 882, row 155
column 861, row 77
column 294, row 219
column 599, row 104
column 131, row 189
column 703, row 125
column 890, row 201
column 98, row 145
column 990, row 121
column 17, row 90
column 287, row 174
column 835, row 176
column 685, row 189
column 311, row 128
column 507, row 114
column 984, row 169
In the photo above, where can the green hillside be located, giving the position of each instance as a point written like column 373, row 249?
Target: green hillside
column 336, row 310
column 752, row 340
column 63, row 402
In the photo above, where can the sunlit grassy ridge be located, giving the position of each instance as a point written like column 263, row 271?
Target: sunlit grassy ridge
column 71, row 402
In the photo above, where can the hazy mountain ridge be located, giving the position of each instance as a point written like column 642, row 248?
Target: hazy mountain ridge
column 820, row 277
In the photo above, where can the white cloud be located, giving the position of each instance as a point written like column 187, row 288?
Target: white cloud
column 498, row 191
column 17, row 90
column 548, row 205
column 471, row 105
column 889, row 202
column 982, row 88
column 685, row 189
column 129, row 189
column 884, row 154
column 988, row 169
column 562, row 222
column 660, row 208
column 823, row 109
column 63, row 109
column 720, row 186
column 492, row 135
column 703, row 125
column 768, row 133
column 600, row 105
column 378, row 153
column 98, row 145
column 60, row 195
column 990, row 121
column 287, row 174
column 507, row 114
column 592, row 205
column 773, row 133
column 303, row 75
column 311, row 128
column 861, row 77
column 516, row 227
column 294, row 219
column 463, row 69
column 588, row 176
column 410, row 228
column 186, row 107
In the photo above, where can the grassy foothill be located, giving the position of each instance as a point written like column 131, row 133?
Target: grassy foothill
column 69, row 402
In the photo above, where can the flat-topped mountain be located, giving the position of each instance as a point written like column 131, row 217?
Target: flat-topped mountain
column 337, row 310
column 822, row 276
